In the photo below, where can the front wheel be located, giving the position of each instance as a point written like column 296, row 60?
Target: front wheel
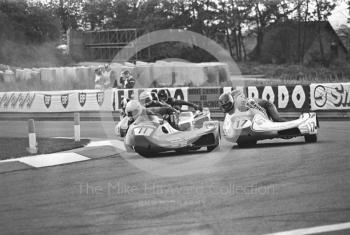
column 147, row 154
column 310, row 138
column 212, row 147
column 246, row 143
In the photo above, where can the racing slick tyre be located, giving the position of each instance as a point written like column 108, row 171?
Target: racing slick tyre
column 182, row 150
column 147, row 154
column 246, row 143
column 212, row 147
column 310, row 138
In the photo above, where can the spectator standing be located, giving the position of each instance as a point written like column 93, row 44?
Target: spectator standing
column 106, row 76
column 98, row 78
column 126, row 80
column 103, row 75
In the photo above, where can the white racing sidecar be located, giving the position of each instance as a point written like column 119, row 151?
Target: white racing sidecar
column 246, row 128
column 187, row 120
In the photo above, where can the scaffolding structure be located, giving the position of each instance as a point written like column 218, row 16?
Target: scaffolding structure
column 105, row 44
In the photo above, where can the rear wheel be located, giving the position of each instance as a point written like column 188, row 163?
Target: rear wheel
column 144, row 152
column 310, row 138
column 147, row 154
column 182, row 150
column 246, row 143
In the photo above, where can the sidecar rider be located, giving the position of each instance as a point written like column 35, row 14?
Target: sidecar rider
column 134, row 110
column 228, row 101
column 163, row 97
column 150, row 100
column 123, row 106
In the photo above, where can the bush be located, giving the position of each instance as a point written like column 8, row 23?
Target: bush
column 29, row 35
column 21, row 55
column 29, row 24
column 337, row 71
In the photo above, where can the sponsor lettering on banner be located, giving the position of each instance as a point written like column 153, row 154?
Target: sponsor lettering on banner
column 17, row 100
column 330, row 96
column 286, row 98
column 21, row 99
column 65, row 100
column 100, row 96
column 26, row 98
column 82, row 98
column 14, row 100
column 1, row 98
column 206, row 97
column 29, row 100
column 7, row 100
column 177, row 93
column 119, row 95
column 299, row 97
column 47, row 100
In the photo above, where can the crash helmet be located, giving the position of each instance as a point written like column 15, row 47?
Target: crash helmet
column 133, row 109
column 124, row 102
column 237, row 93
column 154, row 96
column 145, row 98
column 163, row 95
column 226, row 102
column 125, row 73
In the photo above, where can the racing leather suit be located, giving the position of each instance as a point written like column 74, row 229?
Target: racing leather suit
column 243, row 104
column 155, row 103
column 151, row 113
column 178, row 103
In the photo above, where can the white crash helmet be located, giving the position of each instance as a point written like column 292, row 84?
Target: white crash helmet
column 133, row 109
column 145, row 98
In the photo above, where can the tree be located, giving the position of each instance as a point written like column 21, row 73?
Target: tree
column 30, row 23
column 267, row 12
column 323, row 9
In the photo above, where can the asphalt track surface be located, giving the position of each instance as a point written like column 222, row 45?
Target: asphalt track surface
column 277, row 186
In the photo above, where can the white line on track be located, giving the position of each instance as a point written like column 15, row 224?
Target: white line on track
column 315, row 230
column 52, row 159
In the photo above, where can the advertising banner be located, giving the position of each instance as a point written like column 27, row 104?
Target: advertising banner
column 205, row 97
column 330, row 96
column 56, row 101
column 286, row 98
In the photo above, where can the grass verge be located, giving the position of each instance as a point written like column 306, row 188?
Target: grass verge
column 16, row 147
